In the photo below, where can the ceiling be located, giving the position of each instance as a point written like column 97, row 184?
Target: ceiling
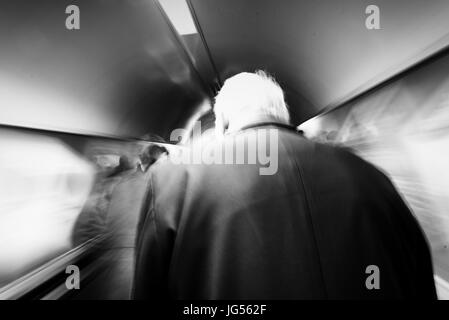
column 319, row 50
column 127, row 72
column 123, row 73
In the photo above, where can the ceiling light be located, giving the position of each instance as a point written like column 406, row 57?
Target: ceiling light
column 179, row 14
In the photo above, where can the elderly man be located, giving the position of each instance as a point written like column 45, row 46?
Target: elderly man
column 323, row 225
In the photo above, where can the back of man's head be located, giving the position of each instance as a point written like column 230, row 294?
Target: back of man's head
column 247, row 97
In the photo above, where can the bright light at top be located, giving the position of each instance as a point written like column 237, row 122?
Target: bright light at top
column 179, row 14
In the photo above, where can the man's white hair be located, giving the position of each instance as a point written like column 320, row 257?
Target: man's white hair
column 249, row 96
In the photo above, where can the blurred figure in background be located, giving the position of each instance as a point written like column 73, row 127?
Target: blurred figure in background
column 150, row 155
column 127, row 200
column 92, row 220
column 309, row 231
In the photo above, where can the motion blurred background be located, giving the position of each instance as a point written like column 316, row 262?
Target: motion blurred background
column 403, row 128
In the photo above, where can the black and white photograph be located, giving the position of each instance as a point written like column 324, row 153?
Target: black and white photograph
column 224, row 155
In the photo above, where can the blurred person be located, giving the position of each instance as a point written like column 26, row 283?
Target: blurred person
column 92, row 220
column 150, row 155
column 127, row 199
column 312, row 230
